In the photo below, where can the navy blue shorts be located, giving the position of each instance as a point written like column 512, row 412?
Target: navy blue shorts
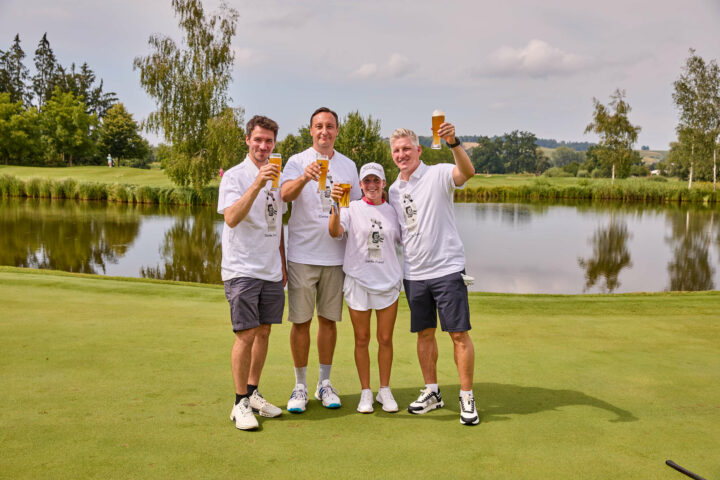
column 444, row 296
column 254, row 302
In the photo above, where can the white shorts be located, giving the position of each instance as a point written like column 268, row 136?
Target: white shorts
column 362, row 299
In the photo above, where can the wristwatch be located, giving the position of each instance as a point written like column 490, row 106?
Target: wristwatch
column 453, row 145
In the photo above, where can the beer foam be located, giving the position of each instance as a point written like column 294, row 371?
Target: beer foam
column 437, row 113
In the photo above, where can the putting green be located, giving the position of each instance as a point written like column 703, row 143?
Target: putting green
column 118, row 378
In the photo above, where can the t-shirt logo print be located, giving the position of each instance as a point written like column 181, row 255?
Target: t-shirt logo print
column 409, row 212
column 271, row 211
column 375, row 240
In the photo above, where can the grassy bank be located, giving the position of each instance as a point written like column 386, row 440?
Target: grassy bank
column 151, row 186
column 514, row 188
column 114, row 378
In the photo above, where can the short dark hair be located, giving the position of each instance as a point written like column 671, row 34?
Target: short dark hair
column 324, row 110
column 262, row 122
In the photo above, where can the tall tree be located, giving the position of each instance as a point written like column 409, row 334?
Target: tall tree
column 697, row 98
column 46, row 69
column 519, row 152
column 226, row 145
column 13, row 73
column 67, row 129
column 617, row 134
column 19, row 136
column 486, row 157
column 81, row 84
column 119, row 135
column 189, row 86
column 359, row 138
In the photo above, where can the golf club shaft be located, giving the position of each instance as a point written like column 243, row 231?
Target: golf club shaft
column 680, row 469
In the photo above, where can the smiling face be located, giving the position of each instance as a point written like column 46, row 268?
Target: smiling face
column 406, row 156
column 324, row 130
column 260, row 142
column 372, row 187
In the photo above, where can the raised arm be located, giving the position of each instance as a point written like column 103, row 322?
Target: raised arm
column 291, row 189
column 237, row 212
column 464, row 169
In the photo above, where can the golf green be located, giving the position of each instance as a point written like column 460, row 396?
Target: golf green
column 119, row 378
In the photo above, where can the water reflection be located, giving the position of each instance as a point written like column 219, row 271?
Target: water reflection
column 61, row 235
column 610, row 256
column 691, row 235
column 191, row 250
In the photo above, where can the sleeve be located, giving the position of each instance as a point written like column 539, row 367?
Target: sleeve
column 230, row 191
column 345, row 219
column 293, row 169
column 451, row 186
column 355, row 192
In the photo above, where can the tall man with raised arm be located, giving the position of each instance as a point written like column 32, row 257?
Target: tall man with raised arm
column 434, row 257
column 315, row 275
column 253, row 266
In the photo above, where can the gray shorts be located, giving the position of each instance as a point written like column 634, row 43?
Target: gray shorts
column 311, row 284
column 254, row 302
column 448, row 296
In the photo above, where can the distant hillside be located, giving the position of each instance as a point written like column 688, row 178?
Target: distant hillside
column 470, row 141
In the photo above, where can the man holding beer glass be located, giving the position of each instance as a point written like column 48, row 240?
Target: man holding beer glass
column 434, row 257
column 315, row 276
column 253, row 266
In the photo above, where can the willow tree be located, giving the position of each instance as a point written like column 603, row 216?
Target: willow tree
column 617, row 134
column 189, row 84
column 697, row 97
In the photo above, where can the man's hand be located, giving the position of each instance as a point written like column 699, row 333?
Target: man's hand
column 312, row 172
column 447, row 132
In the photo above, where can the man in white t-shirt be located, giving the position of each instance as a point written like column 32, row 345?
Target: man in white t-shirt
column 434, row 258
column 315, row 275
column 253, row 266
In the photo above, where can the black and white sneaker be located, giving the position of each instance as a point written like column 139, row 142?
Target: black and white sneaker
column 468, row 412
column 428, row 400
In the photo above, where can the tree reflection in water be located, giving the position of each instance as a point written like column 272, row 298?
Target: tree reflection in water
column 65, row 235
column 610, row 256
column 191, row 250
column 691, row 234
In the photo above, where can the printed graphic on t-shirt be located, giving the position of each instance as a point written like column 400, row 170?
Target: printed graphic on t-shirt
column 409, row 212
column 325, row 199
column 375, row 241
column 271, row 212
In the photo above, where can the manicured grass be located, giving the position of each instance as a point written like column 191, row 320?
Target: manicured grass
column 114, row 378
column 126, row 175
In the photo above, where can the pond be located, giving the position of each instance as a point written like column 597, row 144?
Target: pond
column 509, row 247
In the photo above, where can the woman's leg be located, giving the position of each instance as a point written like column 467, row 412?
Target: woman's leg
column 361, row 327
column 385, row 326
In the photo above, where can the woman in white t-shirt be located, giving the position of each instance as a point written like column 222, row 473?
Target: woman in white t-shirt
column 373, row 276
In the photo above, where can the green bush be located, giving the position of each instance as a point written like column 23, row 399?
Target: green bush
column 32, row 187
column 92, row 191
column 146, row 194
column 657, row 178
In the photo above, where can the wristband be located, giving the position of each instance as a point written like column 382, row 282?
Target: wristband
column 453, row 145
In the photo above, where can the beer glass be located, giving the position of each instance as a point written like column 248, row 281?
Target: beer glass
column 345, row 199
column 324, row 163
column 438, row 118
column 276, row 159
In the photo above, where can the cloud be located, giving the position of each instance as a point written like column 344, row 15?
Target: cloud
column 245, row 57
column 397, row 66
column 537, row 60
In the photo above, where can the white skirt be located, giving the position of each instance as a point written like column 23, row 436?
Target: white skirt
column 362, row 299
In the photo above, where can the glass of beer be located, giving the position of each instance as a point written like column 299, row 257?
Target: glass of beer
column 438, row 118
column 323, row 161
column 276, row 159
column 345, row 199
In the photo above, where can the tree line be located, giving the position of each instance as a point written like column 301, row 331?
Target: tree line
column 60, row 115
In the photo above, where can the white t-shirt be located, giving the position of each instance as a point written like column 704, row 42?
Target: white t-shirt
column 308, row 239
column 424, row 205
column 252, row 247
column 370, row 255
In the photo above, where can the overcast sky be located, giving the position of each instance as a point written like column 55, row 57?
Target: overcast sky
column 493, row 67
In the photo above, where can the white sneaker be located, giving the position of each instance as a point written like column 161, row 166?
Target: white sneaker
column 366, row 401
column 298, row 399
column 327, row 394
column 386, row 399
column 428, row 400
column 262, row 407
column 468, row 413
column 243, row 416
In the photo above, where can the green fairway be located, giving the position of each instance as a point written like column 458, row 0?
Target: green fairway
column 114, row 378
column 132, row 176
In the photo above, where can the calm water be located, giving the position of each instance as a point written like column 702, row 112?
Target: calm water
column 520, row 248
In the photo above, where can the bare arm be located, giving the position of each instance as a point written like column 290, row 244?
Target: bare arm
column 464, row 169
column 336, row 230
column 236, row 213
column 291, row 189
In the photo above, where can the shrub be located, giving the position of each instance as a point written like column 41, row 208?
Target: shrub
column 32, row 187
column 91, row 191
column 557, row 172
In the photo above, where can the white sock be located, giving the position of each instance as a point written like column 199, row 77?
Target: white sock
column 463, row 393
column 433, row 387
column 300, row 374
column 324, row 373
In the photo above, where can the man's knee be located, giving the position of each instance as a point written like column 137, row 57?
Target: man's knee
column 461, row 339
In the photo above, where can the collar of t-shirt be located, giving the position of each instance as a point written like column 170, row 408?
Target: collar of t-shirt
column 251, row 165
column 371, row 203
column 418, row 173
